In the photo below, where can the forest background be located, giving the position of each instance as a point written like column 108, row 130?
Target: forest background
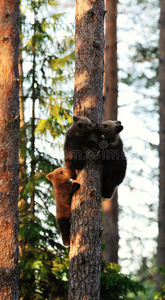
column 47, row 73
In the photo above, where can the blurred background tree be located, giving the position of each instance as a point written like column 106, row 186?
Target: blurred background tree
column 160, row 276
column 110, row 207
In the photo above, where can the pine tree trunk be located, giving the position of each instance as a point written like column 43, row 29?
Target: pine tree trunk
column 22, row 148
column 32, row 198
column 85, row 248
column 111, row 69
column 21, row 102
column 110, row 233
column 110, row 206
column 9, row 148
column 161, row 214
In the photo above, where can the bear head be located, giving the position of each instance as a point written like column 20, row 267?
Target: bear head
column 59, row 175
column 60, row 178
column 110, row 130
column 82, row 125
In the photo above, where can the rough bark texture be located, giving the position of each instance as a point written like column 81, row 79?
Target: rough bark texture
column 85, row 248
column 161, row 214
column 9, row 146
column 89, row 39
column 110, row 207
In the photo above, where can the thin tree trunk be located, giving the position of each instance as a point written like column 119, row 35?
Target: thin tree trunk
column 111, row 69
column 110, row 206
column 85, row 248
column 110, row 233
column 9, row 148
column 22, row 148
column 161, row 214
column 21, row 102
column 32, row 200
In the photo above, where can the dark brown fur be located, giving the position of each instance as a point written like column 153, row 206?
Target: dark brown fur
column 112, row 155
column 63, row 189
column 76, row 138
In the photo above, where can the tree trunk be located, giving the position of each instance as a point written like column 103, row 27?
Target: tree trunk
column 9, row 147
column 110, row 207
column 22, row 147
column 110, row 233
column 161, row 213
column 32, row 198
column 111, row 69
column 85, row 248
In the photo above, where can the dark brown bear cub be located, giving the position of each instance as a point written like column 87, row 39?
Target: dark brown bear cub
column 63, row 189
column 112, row 155
column 76, row 138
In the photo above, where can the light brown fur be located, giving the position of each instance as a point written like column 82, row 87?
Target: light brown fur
column 63, row 189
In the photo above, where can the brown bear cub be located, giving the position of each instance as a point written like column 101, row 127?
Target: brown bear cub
column 63, row 189
column 112, row 155
column 75, row 140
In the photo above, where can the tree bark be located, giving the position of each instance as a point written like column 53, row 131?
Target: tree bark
column 9, row 148
column 111, row 69
column 161, row 213
column 85, row 247
column 89, row 39
column 33, row 164
column 22, row 145
column 110, row 207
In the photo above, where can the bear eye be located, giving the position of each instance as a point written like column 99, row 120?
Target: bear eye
column 80, row 125
column 105, row 125
column 61, row 172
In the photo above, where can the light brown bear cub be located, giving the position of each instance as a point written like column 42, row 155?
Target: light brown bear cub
column 112, row 155
column 63, row 189
column 75, row 140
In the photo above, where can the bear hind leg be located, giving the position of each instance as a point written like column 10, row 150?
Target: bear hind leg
column 64, row 226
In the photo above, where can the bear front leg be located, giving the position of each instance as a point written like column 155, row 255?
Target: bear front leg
column 70, row 169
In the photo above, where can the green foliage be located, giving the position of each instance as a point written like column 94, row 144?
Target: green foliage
column 161, row 293
column 43, row 261
column 115, row 285
column 46, row 55
column 146, row 275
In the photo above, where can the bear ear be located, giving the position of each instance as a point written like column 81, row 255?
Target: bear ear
column 50, row 176
column 119, row 128
column 118, row 122
column 75, row 118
